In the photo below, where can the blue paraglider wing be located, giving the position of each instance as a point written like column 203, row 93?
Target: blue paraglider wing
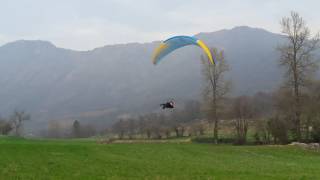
column 171, row 44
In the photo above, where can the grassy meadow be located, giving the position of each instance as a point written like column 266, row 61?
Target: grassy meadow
column 86, row 159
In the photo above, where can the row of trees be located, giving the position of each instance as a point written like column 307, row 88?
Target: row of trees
column 194, row 119
column 178, row 123
column 266, row 117
column 291, row 113
column 296, row 103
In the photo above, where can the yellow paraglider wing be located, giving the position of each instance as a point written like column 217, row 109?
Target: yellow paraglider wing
column 206, row 50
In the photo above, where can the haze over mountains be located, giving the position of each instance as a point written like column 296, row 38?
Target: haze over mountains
column 55, row 83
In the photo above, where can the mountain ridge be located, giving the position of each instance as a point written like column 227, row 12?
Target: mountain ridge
column 52, row 82
column 243, row 27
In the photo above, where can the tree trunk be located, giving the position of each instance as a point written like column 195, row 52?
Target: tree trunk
column 215, row 116
column 176, row 130
column 215, row 131
column 297, row 98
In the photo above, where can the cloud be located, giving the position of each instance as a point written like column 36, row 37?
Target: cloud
column 83, row 25
column 4, row 39
column 91, row 33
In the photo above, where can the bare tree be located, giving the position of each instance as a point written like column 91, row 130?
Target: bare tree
column 17, row 119
column 197, row 127
column 216, row 87
column 5, row 127
column 297, row 58
column 311, row 112
column 278, row 127
column 132, row 127
column 243, row 112
column 263, row 109
column 76, row 129
column 120, row 128
column 144, row 126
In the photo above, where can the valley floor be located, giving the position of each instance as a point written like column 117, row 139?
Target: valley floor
column 76, row 159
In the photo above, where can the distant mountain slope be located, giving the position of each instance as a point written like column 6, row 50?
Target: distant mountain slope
column 52, row 82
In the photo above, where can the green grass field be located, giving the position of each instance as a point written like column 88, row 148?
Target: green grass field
column 74, row 159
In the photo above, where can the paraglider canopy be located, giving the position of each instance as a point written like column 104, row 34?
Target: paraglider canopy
column 171, row 44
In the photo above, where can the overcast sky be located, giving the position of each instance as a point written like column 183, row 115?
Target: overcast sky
column 86, row 24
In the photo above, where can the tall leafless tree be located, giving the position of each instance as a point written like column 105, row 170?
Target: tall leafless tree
column 17, row 119
column 297, row 57
column 216, row 87
column 5, row 126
